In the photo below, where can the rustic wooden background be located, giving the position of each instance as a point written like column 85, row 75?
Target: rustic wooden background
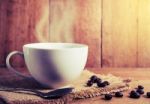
column 118, row 33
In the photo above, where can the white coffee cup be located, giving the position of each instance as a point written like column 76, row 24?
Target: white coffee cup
column 53, row 64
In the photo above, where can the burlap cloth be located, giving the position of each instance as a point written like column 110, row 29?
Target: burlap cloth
column 81, row 91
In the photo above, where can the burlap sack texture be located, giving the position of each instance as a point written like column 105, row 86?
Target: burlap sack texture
column 81, row 91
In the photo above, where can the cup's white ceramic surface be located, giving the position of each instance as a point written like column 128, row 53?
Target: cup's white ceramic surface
column 53, row 64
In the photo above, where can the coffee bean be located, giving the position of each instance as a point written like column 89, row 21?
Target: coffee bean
column 89, row 83
column 148, row 94
column 98, row 80
column 108, row 96
column 101, row 84
column 134, row 94
column 140, row 91
column 118, row 94
column 140, row 87
column 93, row 78
column 106, row 82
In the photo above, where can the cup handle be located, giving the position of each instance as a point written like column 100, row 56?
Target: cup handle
column 11, row 68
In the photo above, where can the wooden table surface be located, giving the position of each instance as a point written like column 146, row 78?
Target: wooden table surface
column 139, row 75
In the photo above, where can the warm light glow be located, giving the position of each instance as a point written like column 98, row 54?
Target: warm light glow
column 57, row 21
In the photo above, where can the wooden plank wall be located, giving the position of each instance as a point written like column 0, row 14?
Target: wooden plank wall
column 88, row 29
column 144, row 33
column 3, row 29
column 117, row 33
column 17, row 30
column 17, row 26
column 52, row 21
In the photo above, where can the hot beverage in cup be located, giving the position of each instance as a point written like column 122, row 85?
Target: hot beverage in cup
column 53, row 64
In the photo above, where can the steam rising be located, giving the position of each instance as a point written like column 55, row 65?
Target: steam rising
column 57, row 21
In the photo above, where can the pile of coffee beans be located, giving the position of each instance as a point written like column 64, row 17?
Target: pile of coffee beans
column 94, row 79
column 136, row 93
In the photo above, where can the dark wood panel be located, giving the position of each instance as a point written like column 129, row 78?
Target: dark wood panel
column 17, row 31
column 22, row 17
column 3, row 31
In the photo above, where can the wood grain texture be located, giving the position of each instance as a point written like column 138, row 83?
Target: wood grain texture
column 144, row 33
column 18, row 20
column 88, row 29
column 117, row 37
column 22, row 17
column 119, row 40
column 3, row 31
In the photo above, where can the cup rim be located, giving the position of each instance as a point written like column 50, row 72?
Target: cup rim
column 62, row 45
